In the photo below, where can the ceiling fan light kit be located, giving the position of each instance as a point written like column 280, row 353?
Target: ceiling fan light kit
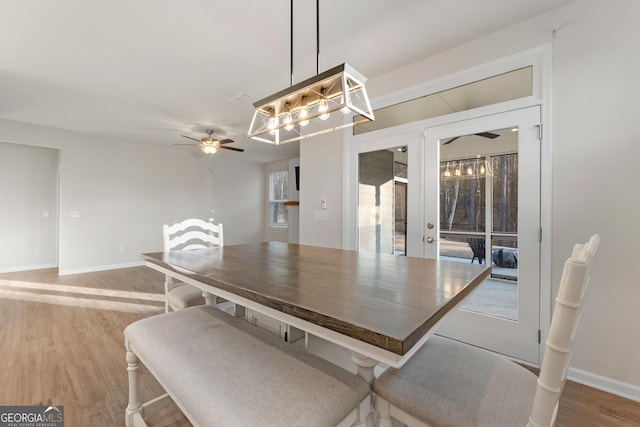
column 209, row 149
column 211, row 145
column 309, row 108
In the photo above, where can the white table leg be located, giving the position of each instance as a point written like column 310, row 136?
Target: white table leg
column 384, row 417
column 168, row 285
column 209, row 299
column 365, row 367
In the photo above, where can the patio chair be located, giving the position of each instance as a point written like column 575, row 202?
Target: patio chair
column 477, row 246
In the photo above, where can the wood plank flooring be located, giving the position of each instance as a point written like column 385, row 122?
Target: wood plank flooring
column 62, row 344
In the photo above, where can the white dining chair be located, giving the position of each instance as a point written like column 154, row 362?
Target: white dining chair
column 451, row 384
column 189, row 234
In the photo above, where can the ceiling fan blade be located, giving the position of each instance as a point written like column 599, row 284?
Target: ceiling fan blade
column 225, row 141
column 188, row 137
column 190, row 145
column 233, row 148
column 489, row 135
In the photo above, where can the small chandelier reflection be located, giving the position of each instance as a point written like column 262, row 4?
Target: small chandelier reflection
column 466, row 169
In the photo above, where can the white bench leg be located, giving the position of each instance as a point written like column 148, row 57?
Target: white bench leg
column 134, row 407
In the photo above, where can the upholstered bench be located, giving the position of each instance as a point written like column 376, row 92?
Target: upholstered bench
column 221, row 370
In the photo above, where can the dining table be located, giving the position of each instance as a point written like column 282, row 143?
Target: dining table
column 380, row 307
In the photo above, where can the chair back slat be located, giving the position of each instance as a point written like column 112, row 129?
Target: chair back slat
column 566, row 317
column 192, row 233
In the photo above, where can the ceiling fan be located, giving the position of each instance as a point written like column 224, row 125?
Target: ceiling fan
column 211, row 145
column 489, row 135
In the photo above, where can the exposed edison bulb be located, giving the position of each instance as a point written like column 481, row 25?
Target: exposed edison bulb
column 482, row 170
column 457, row 172
column 323, row 105
column 288, row 125
column 273, row 119
column 447, row 173
column 288, row 120
column 469, row 170
column 304, row 111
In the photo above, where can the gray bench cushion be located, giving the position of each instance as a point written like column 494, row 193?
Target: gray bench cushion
column 448, row 383
column 184, row 296
column 220, row 370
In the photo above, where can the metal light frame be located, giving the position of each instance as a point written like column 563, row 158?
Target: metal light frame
column 280, row 118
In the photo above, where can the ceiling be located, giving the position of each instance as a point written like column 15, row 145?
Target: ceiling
column 147, row 71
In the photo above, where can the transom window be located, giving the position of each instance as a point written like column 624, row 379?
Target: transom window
column 500, row 88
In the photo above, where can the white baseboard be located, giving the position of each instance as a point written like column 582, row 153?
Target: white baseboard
column 628, row 391
column 27, row 267
column 65, row 272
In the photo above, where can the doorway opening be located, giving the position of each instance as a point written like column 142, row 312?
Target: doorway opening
column 29, row 184
column 382, row 201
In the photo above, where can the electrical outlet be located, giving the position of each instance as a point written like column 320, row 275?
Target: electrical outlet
column 320, row 215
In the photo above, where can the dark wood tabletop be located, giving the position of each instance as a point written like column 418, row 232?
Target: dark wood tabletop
column 384, row 300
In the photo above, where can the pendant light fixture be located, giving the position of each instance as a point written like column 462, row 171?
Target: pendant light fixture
column 321, row 104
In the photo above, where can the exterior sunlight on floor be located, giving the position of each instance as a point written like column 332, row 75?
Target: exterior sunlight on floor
column 77, row 296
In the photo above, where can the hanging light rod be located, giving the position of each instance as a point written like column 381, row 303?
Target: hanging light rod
column 305, row 109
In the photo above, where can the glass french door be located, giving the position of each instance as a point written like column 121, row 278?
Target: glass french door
column 385, row 184
column 482, row 205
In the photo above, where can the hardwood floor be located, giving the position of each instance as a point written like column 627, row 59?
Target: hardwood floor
column 62, row 344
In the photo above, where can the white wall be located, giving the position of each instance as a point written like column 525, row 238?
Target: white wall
column 125, row 192
column 237, row 195
column 321, row 169
column 28, row 207
column 595, row 151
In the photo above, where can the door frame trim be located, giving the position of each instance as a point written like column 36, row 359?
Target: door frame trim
column 541, row 59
